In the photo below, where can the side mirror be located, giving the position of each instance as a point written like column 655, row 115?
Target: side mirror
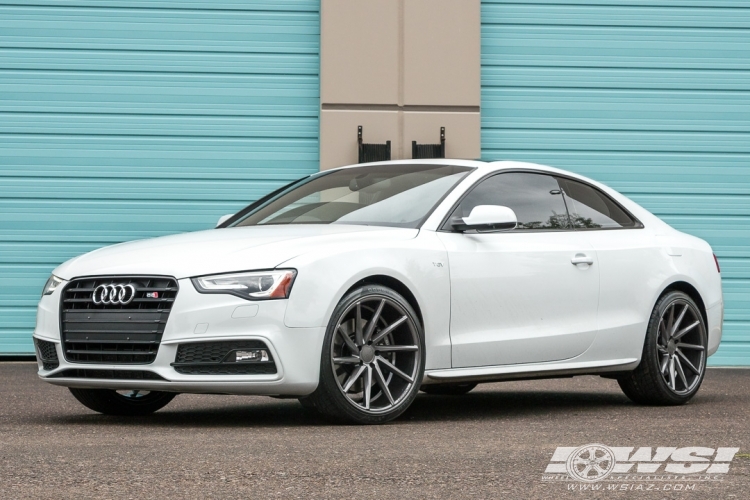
column 223, row 219
column 488, row 218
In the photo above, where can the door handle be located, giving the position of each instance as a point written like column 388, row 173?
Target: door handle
column 582, row 258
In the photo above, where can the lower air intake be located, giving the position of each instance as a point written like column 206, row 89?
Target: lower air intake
column 47, row 354
column 234, row 357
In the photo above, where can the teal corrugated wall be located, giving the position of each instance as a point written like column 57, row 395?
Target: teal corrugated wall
column 123, row 119
column 650, row 97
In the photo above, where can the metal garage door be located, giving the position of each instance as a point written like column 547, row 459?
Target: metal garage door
column 130, row 119
column 652, row 98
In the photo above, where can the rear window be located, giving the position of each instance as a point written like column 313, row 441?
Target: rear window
column 589, row 208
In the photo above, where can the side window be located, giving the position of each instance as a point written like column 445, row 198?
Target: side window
column 591, row 209
column 535, row 198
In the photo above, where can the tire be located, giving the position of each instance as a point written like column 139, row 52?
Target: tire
column 448, row 389
column 673, row 363
column 371, row 369
column 111, row 402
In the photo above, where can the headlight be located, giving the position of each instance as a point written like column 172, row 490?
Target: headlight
column 52, row 283
column 258, row 285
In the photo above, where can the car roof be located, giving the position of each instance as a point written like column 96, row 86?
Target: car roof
column 432, row 161
column 479, row 165
column 484, row 168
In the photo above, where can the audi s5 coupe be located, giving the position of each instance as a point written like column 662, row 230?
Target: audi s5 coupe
column 355, row 288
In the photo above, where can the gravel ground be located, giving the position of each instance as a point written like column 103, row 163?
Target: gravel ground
column 492, row 443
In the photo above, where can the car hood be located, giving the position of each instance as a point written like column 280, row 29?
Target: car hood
column 220, row 250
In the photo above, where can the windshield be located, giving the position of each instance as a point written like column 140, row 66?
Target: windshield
column 379, row 195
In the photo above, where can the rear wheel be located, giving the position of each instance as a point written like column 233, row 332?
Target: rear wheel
column 448, row 389
column 373, row 358
column 127, row 402
column 674, row 354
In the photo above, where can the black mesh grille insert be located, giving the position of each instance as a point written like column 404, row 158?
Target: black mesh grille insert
column 256, row 368
column 115, row 333
column 218, row 358
column 47, row 354
column 107, row 374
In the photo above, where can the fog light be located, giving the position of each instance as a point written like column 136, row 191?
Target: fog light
column 252, row 355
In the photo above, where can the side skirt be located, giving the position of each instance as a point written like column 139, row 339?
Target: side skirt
column 528, row 372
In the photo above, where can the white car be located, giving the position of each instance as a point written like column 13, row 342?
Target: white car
column 354, row 288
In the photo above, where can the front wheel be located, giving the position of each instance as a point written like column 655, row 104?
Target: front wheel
column 674, row 354
column 128, row 402
column 373, row 358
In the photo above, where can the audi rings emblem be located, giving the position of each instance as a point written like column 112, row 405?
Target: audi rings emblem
column 113, row 294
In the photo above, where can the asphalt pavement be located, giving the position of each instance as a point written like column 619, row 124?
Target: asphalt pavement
column 495, row 442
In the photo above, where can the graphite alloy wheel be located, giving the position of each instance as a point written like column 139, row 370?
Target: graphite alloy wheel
column 448, row 389
column 126, row 402
column 674, row 355
column 373, row 358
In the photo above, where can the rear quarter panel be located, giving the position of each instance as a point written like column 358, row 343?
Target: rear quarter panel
column 694, row 263
column 677, row 257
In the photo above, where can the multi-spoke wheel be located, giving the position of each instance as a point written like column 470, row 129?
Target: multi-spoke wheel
column 681, row 348
column 674, row 355
column 125, row 402
column 373, row 358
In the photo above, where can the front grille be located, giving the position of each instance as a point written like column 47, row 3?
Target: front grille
column 115, row 333
column 107, row 374
column 217, row 358
column 47, row 354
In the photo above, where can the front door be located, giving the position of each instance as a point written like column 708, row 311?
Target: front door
column 527, row 295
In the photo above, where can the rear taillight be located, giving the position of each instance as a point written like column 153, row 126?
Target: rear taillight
column 718, row 269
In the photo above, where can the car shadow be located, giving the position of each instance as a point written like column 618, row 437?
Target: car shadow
column 510, row 404
column 267, row 412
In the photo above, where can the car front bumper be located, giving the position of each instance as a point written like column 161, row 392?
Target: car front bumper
column 197, row 317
